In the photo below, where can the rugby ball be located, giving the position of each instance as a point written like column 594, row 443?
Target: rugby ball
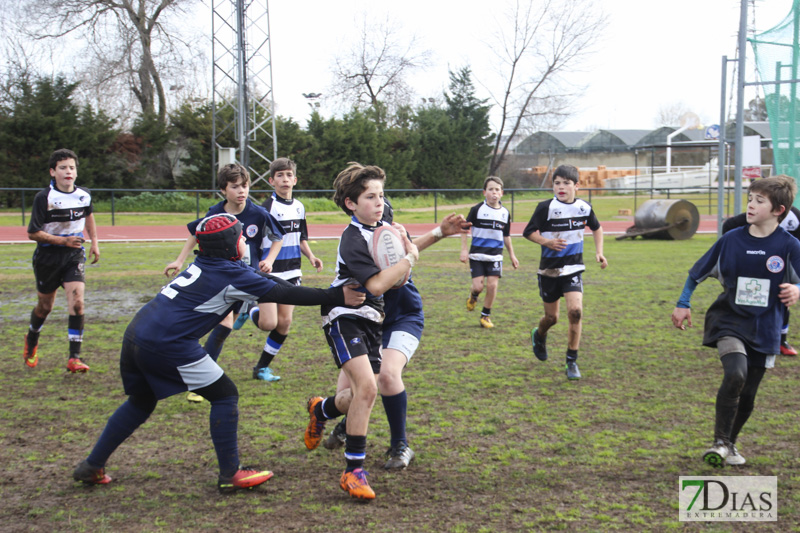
column 387, row 249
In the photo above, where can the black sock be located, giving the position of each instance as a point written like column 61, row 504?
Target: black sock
column 34, row 329
column 327, row 410
column 355, row 451
column 75, row 334
column 486, row 311
column 572, row 356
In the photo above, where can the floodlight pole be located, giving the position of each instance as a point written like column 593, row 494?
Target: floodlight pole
column 739, row 136
column 722, row 161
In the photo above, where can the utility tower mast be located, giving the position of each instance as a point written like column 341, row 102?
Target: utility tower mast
column 243, row 101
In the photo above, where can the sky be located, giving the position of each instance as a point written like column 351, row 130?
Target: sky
column 651, row 54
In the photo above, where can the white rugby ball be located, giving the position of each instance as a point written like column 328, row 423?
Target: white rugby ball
column 387, row 249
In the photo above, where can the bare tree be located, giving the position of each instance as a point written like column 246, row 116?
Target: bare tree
column 540, row 43
column 671, row 114
column 131, row 44
column 373, row 72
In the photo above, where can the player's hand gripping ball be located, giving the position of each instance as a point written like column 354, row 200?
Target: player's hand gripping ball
column 387, row 249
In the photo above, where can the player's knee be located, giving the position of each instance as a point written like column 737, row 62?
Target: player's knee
column 733, row 382
column 77, row 308
column 368, row 391
column 267, row 323
column 574, row 316
column 550, row 319
column 43, row 309
column 388, row 381
column 284, row 323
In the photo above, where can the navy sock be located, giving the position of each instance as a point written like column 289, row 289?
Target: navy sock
column 396, row 407
column 75, row 334
column 120, row 426
column 215, row 341
column 224, row 423
column 355, row 451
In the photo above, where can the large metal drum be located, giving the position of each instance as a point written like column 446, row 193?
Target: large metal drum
column 678, row 219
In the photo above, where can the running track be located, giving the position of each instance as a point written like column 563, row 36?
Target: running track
column 18, row 234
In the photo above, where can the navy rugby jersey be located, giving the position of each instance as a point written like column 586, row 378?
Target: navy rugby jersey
column 554, row 219
column 403, row 306
column 291, row 214
column 489, row 226
column 260, row 230
column 60, row 213
column 750, row 270
column 194, row 303
column 354, row 263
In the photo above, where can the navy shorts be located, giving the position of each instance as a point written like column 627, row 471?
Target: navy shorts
column 53, row 268
column 479, row 269
column 164, row 374
column 551, row 289
column 349, row 338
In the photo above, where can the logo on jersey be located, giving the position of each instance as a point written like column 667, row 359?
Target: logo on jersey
column 577, row 223
column 775, row 264
column 582, row 209
column 557, row 213
column 251, row 230
column 355, row 340
column 791, row 224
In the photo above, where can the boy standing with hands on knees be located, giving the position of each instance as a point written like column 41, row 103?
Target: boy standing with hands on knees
column 558, row 226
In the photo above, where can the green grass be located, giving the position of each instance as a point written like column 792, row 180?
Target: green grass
column 504, row 442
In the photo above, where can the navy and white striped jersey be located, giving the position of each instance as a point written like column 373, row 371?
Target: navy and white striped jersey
column 554, row 219
column 291, row 214
column 260, row 230
column 489, row 226
column 354, row 263
column 751, row 270
column 60, row 213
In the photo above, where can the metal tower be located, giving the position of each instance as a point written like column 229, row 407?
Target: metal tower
column 243, row 101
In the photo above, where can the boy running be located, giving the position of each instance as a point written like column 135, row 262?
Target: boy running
column 354, row 333
column 758, row 267
column 59, row 217
column 291, row 214
column 491, row 227
column 558, row 226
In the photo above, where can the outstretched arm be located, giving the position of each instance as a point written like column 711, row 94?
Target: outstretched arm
column 452, row 224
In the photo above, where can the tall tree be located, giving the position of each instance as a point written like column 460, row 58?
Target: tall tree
column 129, row 42
column 38, row 116
column 546, row 40
column 453, row 144
column 373, row 71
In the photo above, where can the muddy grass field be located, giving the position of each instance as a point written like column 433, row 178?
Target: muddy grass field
column 503, row 441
